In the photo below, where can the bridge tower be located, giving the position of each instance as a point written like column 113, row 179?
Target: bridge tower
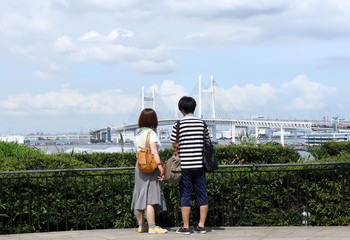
column 148, row 99
column 211, row 91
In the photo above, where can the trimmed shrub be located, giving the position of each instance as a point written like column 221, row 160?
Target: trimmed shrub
column 329, row 149
column 259, row 154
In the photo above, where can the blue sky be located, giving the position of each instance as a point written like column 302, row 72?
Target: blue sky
column 74, row 65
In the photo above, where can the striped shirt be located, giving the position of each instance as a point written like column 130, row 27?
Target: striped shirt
column 190, row 141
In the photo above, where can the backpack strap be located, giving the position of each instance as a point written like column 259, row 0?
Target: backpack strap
column 177, row 135
column 204, row 133
column 162, row 163
column 147, row 139
column 177, row 144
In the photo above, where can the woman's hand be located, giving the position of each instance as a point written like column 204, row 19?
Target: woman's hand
column 161, row 178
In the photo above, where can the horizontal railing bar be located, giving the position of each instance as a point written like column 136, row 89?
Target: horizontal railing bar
column 283, row 164
column 132, row 168
column 67, row 170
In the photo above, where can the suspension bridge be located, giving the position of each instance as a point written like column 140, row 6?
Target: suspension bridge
column 211, row 111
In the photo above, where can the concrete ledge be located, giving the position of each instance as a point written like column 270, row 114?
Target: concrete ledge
column 233, row 233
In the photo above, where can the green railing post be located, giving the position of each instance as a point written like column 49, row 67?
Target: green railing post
column 103, row 202
column 85, row 202
column 113, row 201
column 47, row 204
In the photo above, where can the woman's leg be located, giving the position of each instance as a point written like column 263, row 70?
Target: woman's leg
column 139, row 218
column 150, row 215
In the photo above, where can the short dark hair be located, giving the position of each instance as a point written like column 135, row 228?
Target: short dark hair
column 148, row 118
column 187, row 104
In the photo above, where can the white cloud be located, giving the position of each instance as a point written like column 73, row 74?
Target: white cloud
column 113, row 48
column 220, row 36
column 169, row 87
column 62, row 44
column 169, row 93
column 67, row 101
column 18, row 22
column 119, row 32
column 153, row 67
column 52, row 72
column 54, row 36
column 307, row 95
column 14, row 102
column 250, row 96
column 300, row 97
column 222, row 9
column 43, row 76
column 90, row 35
column 297, row 97
column 175, row 24
column 96, row 5
column 56, row 69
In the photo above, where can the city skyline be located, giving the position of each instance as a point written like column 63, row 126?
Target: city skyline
column 73, row 65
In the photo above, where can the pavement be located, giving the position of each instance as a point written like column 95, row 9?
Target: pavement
column 233, row 233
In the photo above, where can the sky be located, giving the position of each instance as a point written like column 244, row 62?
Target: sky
column 75, row 65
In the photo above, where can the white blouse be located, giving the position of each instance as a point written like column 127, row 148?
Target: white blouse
column 140, row 139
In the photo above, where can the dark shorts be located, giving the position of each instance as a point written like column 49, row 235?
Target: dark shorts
column 195, row 177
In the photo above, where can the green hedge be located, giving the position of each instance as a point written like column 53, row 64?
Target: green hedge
column 259, row 154
column 237, row 197
column 22, row 157
column 274, row 196
column 227, row 155
column 329, row 149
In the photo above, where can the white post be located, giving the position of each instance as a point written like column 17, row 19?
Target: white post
column 176, row 113
column 233, row 133
column 214, row 132
column 153, row 99
column 200, row 96
column 282, row 136
column 212, row 97
column 143, row 98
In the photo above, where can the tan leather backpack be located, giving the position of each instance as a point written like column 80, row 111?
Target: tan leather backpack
column 146, row 162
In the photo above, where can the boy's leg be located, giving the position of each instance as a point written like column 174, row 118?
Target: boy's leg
column 200, row 188
column 203, row 215
column 185, row 211
column 185, row 195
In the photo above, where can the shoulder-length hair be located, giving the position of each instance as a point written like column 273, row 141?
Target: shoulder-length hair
column 148, row 118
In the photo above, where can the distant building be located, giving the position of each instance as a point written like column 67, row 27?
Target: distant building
column 318, row 138
column 13, row 138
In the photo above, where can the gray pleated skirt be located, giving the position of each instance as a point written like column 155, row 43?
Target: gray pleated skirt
column 147, row 191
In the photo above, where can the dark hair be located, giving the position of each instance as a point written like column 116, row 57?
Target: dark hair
column 187, row 104
column 148, row 118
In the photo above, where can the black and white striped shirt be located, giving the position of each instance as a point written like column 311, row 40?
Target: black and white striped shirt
column 190, row 141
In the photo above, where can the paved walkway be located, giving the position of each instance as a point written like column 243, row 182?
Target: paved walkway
column 233, row 233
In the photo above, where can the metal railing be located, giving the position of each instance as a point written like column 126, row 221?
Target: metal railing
column 244, row 195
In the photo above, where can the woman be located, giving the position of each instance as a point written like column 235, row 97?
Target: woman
column 148, row 196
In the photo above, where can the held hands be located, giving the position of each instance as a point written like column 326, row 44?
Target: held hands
column 161, row 176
